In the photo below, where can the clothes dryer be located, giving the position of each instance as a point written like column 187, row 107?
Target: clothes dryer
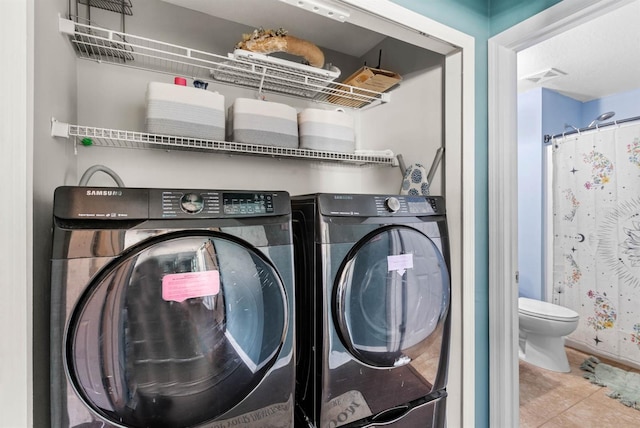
column 172, row 308
column 373, row 298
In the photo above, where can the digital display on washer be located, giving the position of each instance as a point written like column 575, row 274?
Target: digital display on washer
column 247, row 203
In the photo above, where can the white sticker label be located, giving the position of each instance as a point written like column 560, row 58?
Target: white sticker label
column 400, row 263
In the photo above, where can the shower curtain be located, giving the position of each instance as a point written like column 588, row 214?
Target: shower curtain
column 596, row 242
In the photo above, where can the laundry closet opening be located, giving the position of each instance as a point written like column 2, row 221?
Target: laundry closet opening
column 418, row 116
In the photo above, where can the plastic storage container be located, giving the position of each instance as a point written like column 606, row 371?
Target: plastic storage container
column 260, row 122
column 329, row 130
column 184, row 111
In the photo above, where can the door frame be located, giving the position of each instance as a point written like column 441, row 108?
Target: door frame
column 503, row 192
column 16, row 134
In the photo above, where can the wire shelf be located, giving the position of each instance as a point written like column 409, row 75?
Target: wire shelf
column 89, row 47
column 252, row 71
column 119, row 6
column 249, row 68
column 140, row 140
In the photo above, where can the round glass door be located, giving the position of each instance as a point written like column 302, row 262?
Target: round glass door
column 176, row 332
column 391, row 294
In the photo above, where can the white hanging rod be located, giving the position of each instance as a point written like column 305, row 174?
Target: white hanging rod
column 548, row 138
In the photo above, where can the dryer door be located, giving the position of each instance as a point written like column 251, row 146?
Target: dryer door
column 391, row 297
column 177, row 331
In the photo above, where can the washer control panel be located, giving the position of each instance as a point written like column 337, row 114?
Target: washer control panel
column 210, row 203
column 128, row 203
column 247, row 203
column 178, row 203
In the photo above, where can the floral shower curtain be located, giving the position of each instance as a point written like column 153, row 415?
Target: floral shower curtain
column 596, row 243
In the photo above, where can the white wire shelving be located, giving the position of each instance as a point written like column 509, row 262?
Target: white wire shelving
column 102, row 137
column 258, row 72
column 118, row 6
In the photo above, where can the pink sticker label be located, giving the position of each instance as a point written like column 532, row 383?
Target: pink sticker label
column 181, row 286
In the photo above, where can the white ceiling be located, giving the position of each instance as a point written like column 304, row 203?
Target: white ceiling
column 600, row 57
column 273, row 14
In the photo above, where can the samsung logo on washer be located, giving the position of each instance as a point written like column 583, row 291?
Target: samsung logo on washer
column 104, row 192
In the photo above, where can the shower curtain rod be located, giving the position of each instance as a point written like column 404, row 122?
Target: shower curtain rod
column 548, row 138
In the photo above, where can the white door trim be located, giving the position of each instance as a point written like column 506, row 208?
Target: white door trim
column 16, row 135
column 503, row 197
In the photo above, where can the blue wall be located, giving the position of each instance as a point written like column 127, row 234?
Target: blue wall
column 625, row 105
column 540, row 112
column 480, row 19
column 505, row 13
column 559, row 112
column 529, row 193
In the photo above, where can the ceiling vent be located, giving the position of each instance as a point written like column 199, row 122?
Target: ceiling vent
column 544, row 76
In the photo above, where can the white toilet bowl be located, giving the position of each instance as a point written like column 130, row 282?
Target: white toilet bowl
column 543, row 326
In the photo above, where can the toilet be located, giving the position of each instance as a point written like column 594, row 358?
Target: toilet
column 543, row 326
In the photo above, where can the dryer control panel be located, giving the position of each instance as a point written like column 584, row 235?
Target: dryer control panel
column 380, row 205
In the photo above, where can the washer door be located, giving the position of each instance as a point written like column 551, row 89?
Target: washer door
column 177, row 331
column 391, row 296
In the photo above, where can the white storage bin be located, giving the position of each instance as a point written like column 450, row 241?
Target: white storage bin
column 253, row 121
column 329, row 130
column 184, row 111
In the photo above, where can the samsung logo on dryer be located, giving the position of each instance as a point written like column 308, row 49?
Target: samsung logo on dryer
column 104, row 192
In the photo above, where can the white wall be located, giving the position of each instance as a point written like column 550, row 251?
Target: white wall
column 15, row 221
column 113, row 97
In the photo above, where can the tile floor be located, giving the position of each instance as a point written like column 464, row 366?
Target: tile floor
column 566, row 400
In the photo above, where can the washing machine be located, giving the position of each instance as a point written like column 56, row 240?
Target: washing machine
column 172, row 308
column 373, row 318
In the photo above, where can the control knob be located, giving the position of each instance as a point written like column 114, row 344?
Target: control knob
column 192, row 203
column 392, row 204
